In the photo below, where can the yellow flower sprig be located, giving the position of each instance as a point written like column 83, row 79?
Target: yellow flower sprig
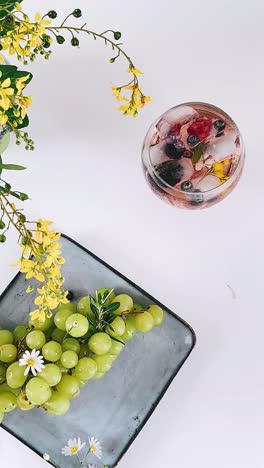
column 13, row 104
column 131, row 94
column 26, row 38
column 40, row 258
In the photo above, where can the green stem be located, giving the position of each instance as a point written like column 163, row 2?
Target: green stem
column 84, row 458
column 94, row 34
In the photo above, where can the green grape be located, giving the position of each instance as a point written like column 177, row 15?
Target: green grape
column 68, row 386
column 20, row 332
column 85, row 369
column 69, row 306
column 71, row 344
column 7, row 402
column 116, row 347
column 113, row 356
column 23, row 403
column 35, row 339
column 83, row 307
column 137, row 308
column 77, row 393
column 104, row 290
column 62, row 369
column 38, row 391
column 77, row 325
column 60, row 318
column 100, row 343
column 157, row 314
column 98, row 375
column 1, row 417
column 104, row 363
column 5, row 388
column 84, row 351
column 15, row 375
column 6, row 337
column 8, row 353
column 2, row 373
column 126, row 303
column 144, row 322
column 130, row 330
column 51, row 374
column 57, row 404
column 58, row 335
column 82, row 383
column 52, row 351
column 69, row 359
column 40, row 324
column 117, row 327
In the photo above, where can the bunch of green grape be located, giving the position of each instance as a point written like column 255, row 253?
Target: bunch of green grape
column 74, row 348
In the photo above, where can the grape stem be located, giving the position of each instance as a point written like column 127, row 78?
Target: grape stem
column 127, row 312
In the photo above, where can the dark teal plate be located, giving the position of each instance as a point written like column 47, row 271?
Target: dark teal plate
column 115, row 408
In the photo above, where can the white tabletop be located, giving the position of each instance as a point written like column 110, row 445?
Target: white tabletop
column 85, row 175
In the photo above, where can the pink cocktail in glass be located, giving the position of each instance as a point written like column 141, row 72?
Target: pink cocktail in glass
column 193, row 155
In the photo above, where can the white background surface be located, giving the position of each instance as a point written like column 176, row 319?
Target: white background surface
column 85, row 175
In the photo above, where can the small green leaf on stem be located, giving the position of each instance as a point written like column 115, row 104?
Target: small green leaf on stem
column 197, row 153
column 12, row 167
column 23, row 196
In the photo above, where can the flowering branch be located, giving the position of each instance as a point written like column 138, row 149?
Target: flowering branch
column 40, row 258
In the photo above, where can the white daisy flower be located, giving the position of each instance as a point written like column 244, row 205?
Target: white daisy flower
column 73, row 447
column 95, row 447
column 33, row 360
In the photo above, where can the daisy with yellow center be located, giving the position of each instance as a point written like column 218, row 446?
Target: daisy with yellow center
column 73, row 447
column 33, row 360
column 95, row 447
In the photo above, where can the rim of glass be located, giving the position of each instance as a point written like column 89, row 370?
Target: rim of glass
column 237, row 168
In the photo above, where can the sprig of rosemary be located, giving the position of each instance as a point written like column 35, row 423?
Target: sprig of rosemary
column 103, row 312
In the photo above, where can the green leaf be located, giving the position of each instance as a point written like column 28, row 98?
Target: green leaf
column 112, row 307
column 21, row 74
column 10, row 7
column 105, row 295
column 12, row 167
column 111, row 319
column 4, row 142
column 9, row 192
column 7, row 71
column 197, row 153
column 116, row 339
column 92, row 301
column 90, row 321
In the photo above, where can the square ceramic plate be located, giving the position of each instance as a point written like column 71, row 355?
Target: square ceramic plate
column 115, row 408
